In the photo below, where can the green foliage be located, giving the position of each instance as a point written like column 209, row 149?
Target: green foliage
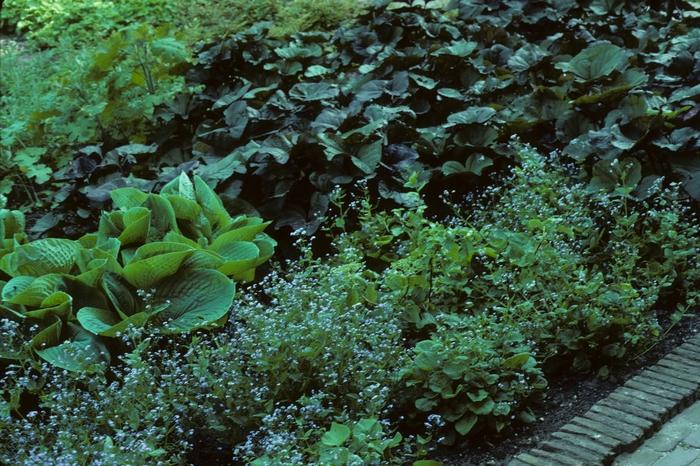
column 313, row 15
column 163, row 259
column 305, row 373
column 441, row 327
column 364, row 443
column 329, row 362
column 595, row 62
column 109, row 65
column 55, row 100
column 468, row 375
column 439, row 96
column 12, row 226
column 47, row 23
column 538, row 270
column 287, row 17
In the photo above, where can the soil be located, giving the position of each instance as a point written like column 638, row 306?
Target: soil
column 568, row 395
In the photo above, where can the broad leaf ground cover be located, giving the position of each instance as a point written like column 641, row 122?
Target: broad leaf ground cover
column 448, row 204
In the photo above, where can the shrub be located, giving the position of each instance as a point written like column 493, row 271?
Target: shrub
column 55, row 100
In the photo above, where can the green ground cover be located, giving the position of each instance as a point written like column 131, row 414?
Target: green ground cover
column 299, row 244
column 85, row 72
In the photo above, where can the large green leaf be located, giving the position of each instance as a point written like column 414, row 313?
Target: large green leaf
column 211, row 204
column 31, row 291
column 126, row 198
column 471, row 115
column 163, row 217
column 136, row 226
column 154, row 261
column 58, row 304
column 368, row 157
column 527, row 57
column 313, row 91
column 195, row 298
column 460, row 48
column 119, row 294
column 239, row 256
column 180, row 186
column 49, row 333
column 80, row 352
column 595, row 62
column 244, row 233
column 336, row 435
column 107, row 323
column 44, row 256
column 236, row 117
column 474, row 164
column 184, row 208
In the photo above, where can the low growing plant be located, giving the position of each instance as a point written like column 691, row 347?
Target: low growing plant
column 161, row 258
column 536, row 273
column 305, row 372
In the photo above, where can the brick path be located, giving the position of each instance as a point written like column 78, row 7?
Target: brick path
column 647, row 406
column 676, row 444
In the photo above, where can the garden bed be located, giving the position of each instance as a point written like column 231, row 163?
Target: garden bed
column 429, row 236
column 569, row 395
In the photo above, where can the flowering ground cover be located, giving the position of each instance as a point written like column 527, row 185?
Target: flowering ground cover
column 335, row 240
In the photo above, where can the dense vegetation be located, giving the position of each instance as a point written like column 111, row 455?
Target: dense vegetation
column 448, row 204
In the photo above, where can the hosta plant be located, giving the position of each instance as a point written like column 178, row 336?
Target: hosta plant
column 165, row 259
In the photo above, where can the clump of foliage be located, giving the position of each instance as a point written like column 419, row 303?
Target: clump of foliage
column 287, row 17
column 47, row 22
column 163, row 259
column 303, row 374
column 56, row 100
column 109, row 64
column 454, row 330
column 411, row 88
column 534, row 274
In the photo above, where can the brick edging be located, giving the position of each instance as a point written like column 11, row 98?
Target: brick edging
column 622, row 420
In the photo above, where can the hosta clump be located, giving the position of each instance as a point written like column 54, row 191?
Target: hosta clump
column 166, row 258
column 535, row 274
